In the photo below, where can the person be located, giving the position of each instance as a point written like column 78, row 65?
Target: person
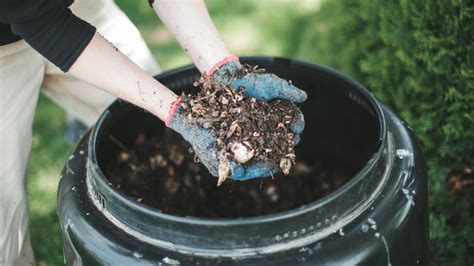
column 48, row 44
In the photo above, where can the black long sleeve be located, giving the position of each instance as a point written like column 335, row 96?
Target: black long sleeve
column 49, row 27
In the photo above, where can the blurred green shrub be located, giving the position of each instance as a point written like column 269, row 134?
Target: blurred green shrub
column 417, row 57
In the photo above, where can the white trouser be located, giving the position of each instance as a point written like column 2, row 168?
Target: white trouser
column 22, row 73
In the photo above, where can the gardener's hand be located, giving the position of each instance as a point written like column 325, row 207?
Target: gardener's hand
column 262, row 86
column 265, row 87
column 203, row 142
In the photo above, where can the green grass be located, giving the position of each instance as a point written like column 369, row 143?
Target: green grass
column 47, row 158
column 248, row 29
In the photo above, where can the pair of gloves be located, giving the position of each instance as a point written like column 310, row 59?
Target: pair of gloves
column 263, row 87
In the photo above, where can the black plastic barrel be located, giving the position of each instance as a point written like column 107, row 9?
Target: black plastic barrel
column 379, row 217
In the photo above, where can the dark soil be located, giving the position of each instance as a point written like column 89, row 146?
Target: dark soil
column 159, row 171
column 247, row 130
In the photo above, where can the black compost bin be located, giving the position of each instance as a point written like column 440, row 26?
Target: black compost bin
column 378, row 217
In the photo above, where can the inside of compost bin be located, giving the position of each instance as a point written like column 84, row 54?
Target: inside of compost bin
column 154, row 166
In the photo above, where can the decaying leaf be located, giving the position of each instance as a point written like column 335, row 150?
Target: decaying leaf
column 224, row 170
column 285, row 165
column 234, row 127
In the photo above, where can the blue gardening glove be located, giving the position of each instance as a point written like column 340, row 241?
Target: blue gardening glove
column 203, row 142
column 262, row 86
column 265, row 87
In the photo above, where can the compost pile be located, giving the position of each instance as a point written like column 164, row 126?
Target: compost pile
column 247, row 130
column 158, row 169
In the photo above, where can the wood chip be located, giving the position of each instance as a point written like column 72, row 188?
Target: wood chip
column 224, row 170
column 285, row 165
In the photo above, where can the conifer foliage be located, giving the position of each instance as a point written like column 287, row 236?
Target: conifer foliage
column 418, row 58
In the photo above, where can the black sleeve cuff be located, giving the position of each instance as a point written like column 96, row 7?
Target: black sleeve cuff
column 59, row 36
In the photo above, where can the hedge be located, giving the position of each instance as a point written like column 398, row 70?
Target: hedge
column 417, row 57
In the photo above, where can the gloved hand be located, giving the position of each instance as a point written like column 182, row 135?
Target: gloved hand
column 203, row 142
column 260, row 86
column 265, row 87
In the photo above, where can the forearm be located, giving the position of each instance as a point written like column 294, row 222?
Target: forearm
column 105, row 67
column 191, row 26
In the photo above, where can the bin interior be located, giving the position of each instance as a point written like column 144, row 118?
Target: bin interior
column 342, row 132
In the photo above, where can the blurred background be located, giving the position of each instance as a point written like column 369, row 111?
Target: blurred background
column 416, row 56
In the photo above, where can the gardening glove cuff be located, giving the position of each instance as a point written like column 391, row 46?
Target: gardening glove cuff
column 201, row 139
column 174, row 108
column 225, row 70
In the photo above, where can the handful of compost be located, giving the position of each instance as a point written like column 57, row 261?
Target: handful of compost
column 238, row 134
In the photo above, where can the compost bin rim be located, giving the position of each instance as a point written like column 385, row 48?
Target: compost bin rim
column 101, row 179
